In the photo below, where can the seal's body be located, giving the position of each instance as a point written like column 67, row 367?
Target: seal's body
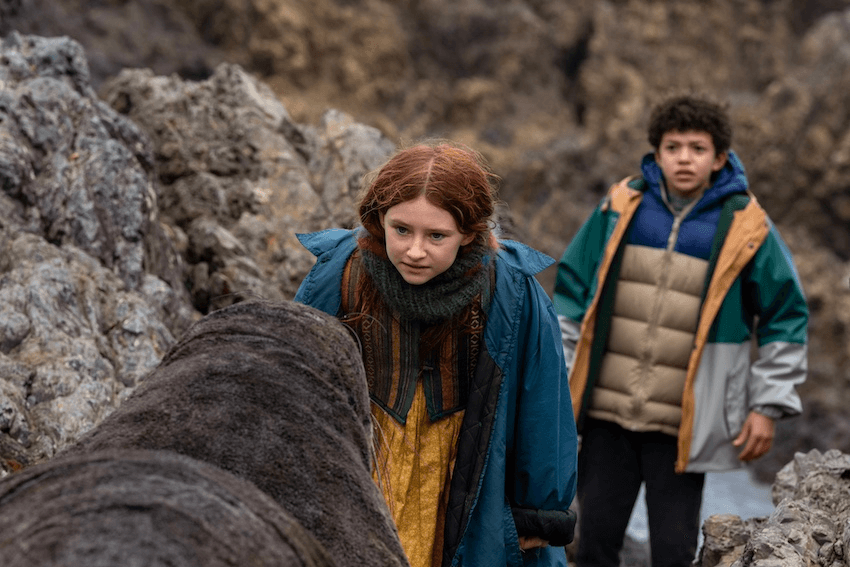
column 275, row 393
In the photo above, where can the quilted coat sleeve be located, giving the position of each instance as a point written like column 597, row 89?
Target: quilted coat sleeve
column 545, row 442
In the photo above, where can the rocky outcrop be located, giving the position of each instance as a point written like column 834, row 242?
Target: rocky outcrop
column 809, row 526
column 116, row 236
column 146, row 508
column 91, row 290
column 239, row 178
column 74, row 341
column 79, row 172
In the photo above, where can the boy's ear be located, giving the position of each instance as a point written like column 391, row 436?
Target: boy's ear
column 719, row 161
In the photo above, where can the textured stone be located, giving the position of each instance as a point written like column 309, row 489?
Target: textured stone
column 808, row 526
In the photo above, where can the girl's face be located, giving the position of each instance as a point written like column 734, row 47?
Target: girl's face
column 422, row 239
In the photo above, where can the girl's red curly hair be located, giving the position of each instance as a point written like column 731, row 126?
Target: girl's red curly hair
column 451, row 176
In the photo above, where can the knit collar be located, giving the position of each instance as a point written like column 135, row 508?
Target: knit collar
column 440, row 298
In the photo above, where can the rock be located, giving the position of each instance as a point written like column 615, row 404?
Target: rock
column 275, row 393
column 145, row 508
column 74, row 341
column 724, row 538
column 81, row 170
column 240, row 178
column 808, row 527
column 90, row 285
column 116, row 236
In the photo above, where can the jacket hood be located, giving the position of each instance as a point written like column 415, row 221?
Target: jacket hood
column 730, row 179
column 524, row 258
column 324, row 240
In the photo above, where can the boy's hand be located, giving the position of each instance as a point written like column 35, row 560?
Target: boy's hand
column 757, row 433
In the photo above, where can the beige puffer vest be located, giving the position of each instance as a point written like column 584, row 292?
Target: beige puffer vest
column 653, row 324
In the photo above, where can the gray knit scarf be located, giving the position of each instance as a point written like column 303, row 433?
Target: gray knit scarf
column 440, row 298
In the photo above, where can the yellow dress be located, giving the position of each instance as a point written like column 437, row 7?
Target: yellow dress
column 414, row 471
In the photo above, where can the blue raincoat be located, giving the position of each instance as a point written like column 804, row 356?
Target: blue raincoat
column 517, row 447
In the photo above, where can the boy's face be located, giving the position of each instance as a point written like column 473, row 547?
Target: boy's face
column 687, row 160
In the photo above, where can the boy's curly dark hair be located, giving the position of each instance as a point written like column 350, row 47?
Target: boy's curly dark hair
column 683, row 113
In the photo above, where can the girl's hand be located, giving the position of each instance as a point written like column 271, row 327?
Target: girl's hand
column 526, row 543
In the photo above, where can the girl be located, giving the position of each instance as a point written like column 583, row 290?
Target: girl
column 476, row 441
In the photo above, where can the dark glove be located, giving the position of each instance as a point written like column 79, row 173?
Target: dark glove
column 554, row 526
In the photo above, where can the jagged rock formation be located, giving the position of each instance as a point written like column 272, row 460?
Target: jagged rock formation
column 238, row 178
column 91, row 293
column 75, row 170
column 810, row 525
column 113, row 240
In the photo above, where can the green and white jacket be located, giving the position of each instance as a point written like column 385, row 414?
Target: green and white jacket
column 750, row 322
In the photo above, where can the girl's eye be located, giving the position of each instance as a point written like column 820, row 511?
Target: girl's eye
column 401, row 230
column 437, row 236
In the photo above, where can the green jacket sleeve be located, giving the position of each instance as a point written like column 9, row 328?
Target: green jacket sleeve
column 575, row 283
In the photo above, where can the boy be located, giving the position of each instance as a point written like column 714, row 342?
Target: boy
column 663, row 296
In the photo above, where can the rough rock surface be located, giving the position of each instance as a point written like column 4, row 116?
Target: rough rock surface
column 91, row 290
column 145, row 508
column 79, row 171
column 239, row 178
column 274, row 392
column 809, row 526
column 115, row 237
column 74, row 341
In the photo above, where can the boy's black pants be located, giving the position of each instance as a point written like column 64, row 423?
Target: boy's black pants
column 612, row 464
